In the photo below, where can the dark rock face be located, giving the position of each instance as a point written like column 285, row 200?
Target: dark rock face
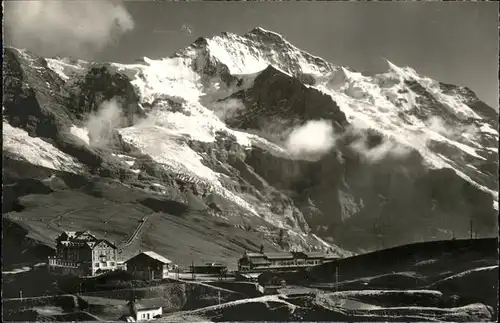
column 101, row 84
column 471, row 99
column 34, row 97
column 276, row 96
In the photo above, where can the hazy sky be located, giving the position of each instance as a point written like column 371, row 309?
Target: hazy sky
column 453, row 42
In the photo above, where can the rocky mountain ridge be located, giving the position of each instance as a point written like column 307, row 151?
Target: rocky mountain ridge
column 407, row 158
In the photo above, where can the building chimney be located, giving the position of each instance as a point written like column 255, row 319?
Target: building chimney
column 261, row 248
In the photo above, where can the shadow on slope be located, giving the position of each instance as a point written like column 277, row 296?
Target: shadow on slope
column 427, row 258
column 465, row 271
column 166, row 206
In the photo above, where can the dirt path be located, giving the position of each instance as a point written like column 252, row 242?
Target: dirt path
column 60, row 216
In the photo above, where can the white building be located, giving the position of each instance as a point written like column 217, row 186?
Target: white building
column 144, row 310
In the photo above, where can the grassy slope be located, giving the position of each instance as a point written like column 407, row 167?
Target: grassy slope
column 446, row 266
column 429, row 260
column 109, row 208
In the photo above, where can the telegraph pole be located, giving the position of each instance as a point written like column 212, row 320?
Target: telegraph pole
column 337, row 278
column 470, row 230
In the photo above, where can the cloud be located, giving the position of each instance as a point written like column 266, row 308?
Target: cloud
column 100, row 125
column 315, row 138
column 388, row 148
column 385, row 147
column 227, row 109
column 439, row 125
column 65, row 28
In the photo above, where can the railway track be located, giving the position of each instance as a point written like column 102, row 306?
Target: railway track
column 136, row 232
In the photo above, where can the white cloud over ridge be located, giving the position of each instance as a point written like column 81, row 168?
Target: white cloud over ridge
column 101, row 124
column 314, row 138
column 65, row 28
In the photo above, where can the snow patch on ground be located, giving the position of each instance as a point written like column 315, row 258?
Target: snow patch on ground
column 169, row 149
column 486, row 128
column 468, row 272
column 263, row 299
column 66, row 70
column 37, row 151
column 130, row 161
column 323, row 242
column 171, row 76
column 382, row 292
column 81, row 133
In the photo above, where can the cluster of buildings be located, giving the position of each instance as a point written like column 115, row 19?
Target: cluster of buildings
column 81, row 253
column 282, row 261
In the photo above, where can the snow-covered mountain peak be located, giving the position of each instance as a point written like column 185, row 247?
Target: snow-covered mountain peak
column 266, row 36
column 254, row 51
column 406, row 72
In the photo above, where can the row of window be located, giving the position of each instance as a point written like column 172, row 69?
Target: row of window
column 111, row 263
column 295, row 262
column 68, row 255
column 147, row 316
column 103, row 252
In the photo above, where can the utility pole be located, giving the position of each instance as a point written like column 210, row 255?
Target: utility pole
column 21, row 294
column 377, row 238
column 219, row 297
column 337, row 278
column 470, row 230
column 192, row 269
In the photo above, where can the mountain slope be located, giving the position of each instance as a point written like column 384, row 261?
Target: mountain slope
column 214, row 128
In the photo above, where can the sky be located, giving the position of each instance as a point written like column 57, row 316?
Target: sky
column 452, row 42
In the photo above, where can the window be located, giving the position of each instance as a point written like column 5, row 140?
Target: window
column 112, row 263
column 97, row 264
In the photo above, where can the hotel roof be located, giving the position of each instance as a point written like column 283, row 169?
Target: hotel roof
column 153, row 255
